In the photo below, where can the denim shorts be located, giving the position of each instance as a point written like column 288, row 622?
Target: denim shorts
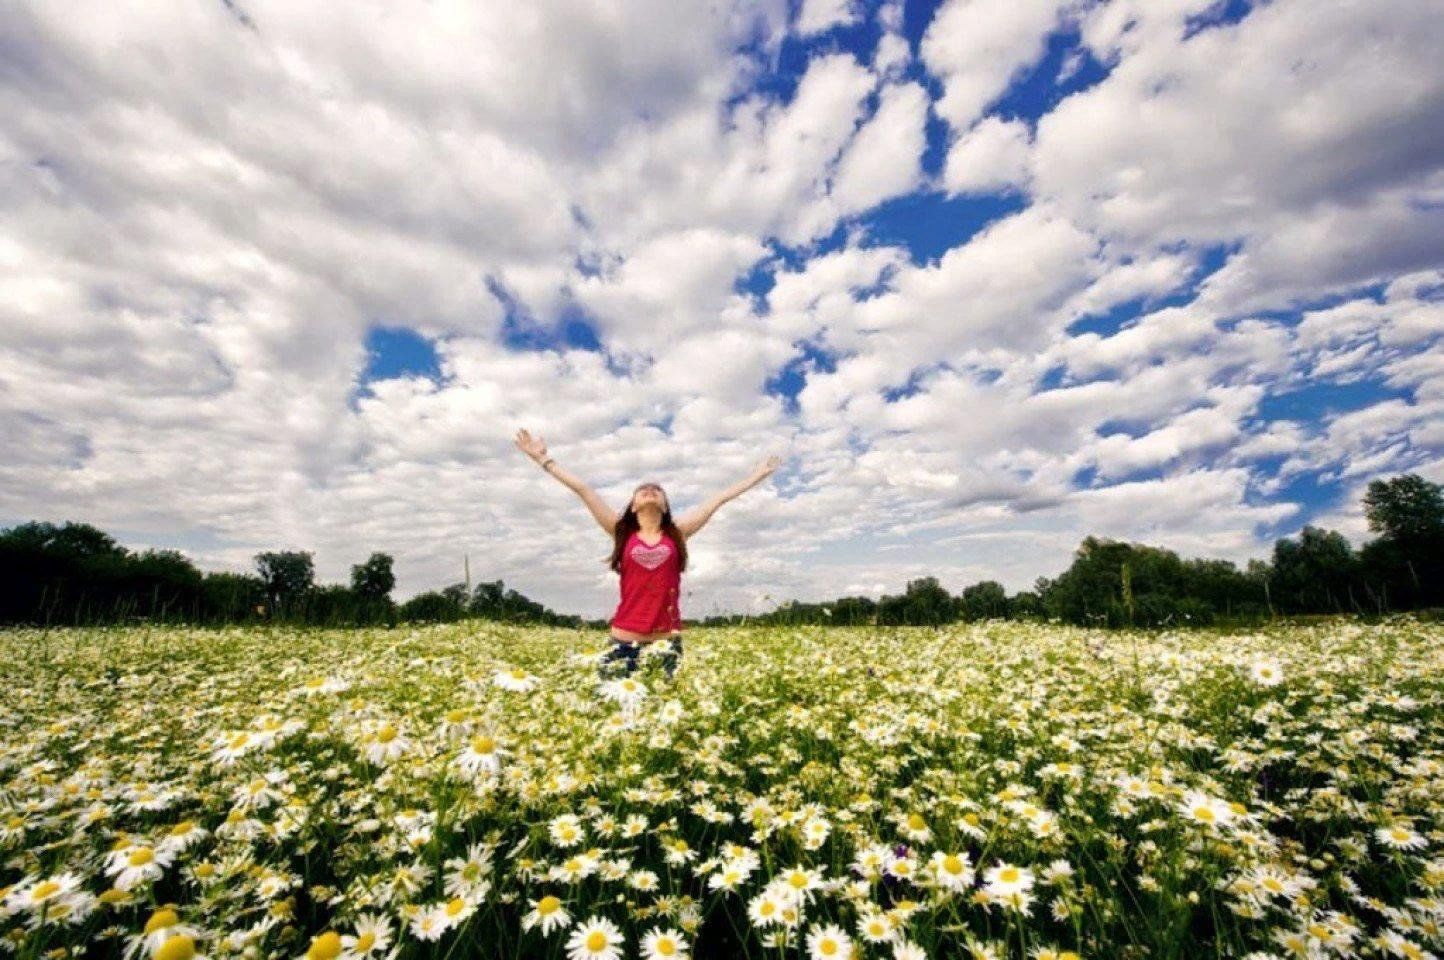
column 630, row 653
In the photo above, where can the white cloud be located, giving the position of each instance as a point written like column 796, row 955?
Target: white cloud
column 818, row 16
column 977, row 48
column 990, row 157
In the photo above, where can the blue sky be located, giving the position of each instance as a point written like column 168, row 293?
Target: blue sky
column 989, row 278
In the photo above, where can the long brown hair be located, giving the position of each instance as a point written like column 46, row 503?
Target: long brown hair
column 628, row 524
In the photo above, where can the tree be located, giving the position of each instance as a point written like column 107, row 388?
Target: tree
column 1406, row 509
column 1404, row 566
column 1314, row 574
column 287, row 574
column 373, row 580
column 985, row 600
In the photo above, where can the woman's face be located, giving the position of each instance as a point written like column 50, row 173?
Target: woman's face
column 649, row 494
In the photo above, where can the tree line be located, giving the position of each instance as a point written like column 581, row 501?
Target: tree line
column 1114, row 584
column 75, row 573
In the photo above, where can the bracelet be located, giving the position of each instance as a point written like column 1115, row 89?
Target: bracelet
column 547, row 461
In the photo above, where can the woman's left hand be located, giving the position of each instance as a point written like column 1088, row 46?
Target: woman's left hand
column 765, row 468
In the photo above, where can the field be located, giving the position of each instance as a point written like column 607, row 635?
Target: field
column 988, row 791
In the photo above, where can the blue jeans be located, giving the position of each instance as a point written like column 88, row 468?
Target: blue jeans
column 623, row 650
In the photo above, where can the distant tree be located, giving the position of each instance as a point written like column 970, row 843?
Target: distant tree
column 1406, row 509
column 231, row 597
column 287, row 575
column 1314, row 574
column 432, row 606
column 1403, row 568
column 373, row 580
column 985, row 600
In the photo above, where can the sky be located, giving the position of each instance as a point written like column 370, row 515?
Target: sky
column 988, row 276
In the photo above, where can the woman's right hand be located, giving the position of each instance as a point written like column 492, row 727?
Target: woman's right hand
column 534, row 447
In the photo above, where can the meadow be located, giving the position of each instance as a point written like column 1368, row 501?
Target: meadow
column 980, row 791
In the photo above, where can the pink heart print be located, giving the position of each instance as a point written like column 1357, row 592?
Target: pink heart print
column 650, row 557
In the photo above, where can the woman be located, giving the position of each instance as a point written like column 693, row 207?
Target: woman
column 649, row 551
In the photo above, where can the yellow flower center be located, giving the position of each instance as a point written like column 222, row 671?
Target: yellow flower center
column 767, row 909
column 316, row 683
column 519, row 674
column 162, row 918
column 325, row 947
column 386, row 734
column 1008, row 875
column 182, row 828
column 798, row 880
column 666, row 946
column 970, row 818
column 827, row 947
column 953, row 864
column 179, row 947
column 596, row 940
column 454, row 906
column 482, row 745
column 141, row 857
column 1204, row 813
column 455, row 716
column 48, row 888
column 240, row 740
column 916, row 822
column 114, row 896
column 548, row 905
column 365, row 942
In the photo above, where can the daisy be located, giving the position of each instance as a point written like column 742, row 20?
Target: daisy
column 765, row 909
column 162, row 924
column 183, row 836
column 428, row 925
column 468, row 876
column 549, row 913
column 900, row 866
column 454, row 912
column 482, row 757
column 814, row 832
column 324, row 946
column 914, row 827
column 595, row 939
column 1400, row 836
column 230, row 747
column 134, row 865
column 1004, row 879
column 663, row 944
column 1209, row 811
column 624, row 691
column 515, row 679
column 951, row 871
column 1266, row 673
column 181, row 946
column 799, row 882
column 41, row 893
column 385, row 744
column 875, row 926
column 373, row 935
column 828, row 942
column 566, row 830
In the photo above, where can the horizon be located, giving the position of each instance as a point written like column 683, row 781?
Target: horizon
column 989, row 282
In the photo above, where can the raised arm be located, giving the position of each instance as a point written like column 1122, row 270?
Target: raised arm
column 536, row 448
column 696, row 517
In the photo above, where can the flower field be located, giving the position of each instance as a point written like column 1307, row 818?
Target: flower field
column 989, row 790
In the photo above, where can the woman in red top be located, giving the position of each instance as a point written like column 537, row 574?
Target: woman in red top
column 649, row 551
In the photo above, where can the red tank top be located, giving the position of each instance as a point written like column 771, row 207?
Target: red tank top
column 651, row 584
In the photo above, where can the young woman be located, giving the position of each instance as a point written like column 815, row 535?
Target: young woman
column 649, row 551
